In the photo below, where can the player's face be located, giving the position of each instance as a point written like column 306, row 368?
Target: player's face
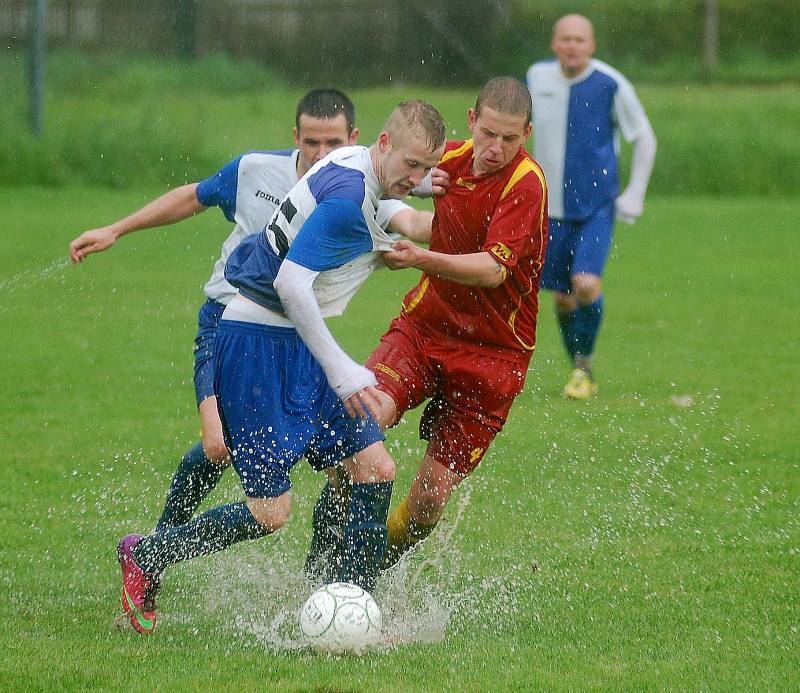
column 573, row 44
column 317, row 137
column 496, row 138
column 405, row 165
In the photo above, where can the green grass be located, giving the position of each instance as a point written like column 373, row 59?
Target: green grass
column 626, row 543
column 129, row 122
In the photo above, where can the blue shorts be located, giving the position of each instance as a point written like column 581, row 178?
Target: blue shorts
column 207, row 320
column 576, row 247
column 276, row 407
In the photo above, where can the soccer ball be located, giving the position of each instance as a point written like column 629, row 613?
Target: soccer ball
column 341, row 618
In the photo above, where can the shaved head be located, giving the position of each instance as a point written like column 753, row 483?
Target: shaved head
column 571, row 22
column 573, row 44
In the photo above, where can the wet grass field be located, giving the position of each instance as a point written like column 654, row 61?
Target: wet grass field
column 646, row 540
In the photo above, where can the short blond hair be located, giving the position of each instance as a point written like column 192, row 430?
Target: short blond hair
column 418, row 118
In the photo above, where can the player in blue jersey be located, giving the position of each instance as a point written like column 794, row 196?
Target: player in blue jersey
column 580, row 106
column 284, row 387
column 247, row 190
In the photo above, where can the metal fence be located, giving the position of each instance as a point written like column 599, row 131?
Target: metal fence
column 351, row 40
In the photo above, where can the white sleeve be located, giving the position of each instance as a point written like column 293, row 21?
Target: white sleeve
column 294, row 285
column 387, row 209
column 628, row 111
column 425, row 187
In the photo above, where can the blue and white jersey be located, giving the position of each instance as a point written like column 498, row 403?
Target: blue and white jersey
column 328, row 223
column 248, row 190
column 576, row 125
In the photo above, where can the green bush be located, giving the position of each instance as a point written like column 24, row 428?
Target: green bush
column 129, row 122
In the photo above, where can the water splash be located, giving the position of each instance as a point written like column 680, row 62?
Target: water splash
column 31, row 277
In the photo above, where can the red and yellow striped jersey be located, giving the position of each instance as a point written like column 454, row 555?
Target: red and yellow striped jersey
column 505, row 214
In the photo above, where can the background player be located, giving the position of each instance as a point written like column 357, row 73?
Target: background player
column 580, row 105
column 285, row 388
column 247, row 190
column 467, row 331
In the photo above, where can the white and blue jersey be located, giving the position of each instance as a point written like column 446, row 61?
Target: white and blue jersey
column 329, row 223
column 276, row 403
column 576, row 125
column 248, row 189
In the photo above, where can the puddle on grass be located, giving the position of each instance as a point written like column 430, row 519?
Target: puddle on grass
column 258, row 591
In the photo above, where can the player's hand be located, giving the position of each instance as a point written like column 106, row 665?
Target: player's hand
column 403, row 254
column 629, row 207
column 215, row 448
column 211, row 431
column 363, row 403
column 440, row 181
column 89, row 242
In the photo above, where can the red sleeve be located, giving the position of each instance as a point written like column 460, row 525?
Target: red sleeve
column 518, row 228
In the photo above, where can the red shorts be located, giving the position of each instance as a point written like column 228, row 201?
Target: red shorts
column 470, row 392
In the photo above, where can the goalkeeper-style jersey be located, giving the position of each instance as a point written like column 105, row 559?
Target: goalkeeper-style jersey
column 329, row 223
column 576, row 126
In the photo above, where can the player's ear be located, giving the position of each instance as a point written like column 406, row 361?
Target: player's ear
column 354, row 133
column 472, row 118
column 385, row 142
column 296, row 137
column 528, row 130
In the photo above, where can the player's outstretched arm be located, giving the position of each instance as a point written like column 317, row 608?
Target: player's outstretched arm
column 472, row 269
column 175, row 205
column 414, row 224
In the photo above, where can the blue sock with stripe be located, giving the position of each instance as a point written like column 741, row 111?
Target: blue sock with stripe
column 566, row 322
column 586, row 326
column 208, row 533
column 365, row 534
column 194, row 479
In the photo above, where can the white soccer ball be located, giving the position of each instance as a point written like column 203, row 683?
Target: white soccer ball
column 341, row 618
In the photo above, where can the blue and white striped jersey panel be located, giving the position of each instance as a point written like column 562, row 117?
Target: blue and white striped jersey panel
column 328, row 223
column 576, row 126
column 248, row 190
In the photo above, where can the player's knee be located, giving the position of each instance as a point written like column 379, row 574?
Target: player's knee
column 587, row 288
column 372, row 465
column 270, row 513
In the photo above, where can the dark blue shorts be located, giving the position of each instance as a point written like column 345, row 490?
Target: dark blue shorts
column 276, row 407
column 576, row 247
column 207, row 320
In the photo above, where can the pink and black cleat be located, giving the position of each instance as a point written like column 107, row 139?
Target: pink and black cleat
column 138, row 588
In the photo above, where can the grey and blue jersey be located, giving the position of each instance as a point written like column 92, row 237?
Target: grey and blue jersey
column 576, row 126
column 329, row 223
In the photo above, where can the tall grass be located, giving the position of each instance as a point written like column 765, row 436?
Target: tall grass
column 126, row 121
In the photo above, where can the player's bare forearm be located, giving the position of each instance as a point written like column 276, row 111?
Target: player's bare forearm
column 472, row 269
column 414, row 224
column 175, row 205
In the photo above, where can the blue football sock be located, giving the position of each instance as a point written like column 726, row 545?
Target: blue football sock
column 587, row 325
column 566, row 322
column 208, row 533
column 365, row 534
column 328, row 522
column 194, row 479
